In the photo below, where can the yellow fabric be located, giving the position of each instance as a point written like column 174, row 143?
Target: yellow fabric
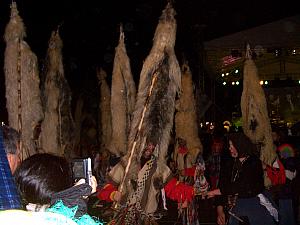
column 111, row 196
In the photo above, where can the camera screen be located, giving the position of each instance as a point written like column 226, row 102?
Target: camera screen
column 79, row 170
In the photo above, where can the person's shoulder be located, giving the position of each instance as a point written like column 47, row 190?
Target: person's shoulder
column 254, row 159
column 227, row 162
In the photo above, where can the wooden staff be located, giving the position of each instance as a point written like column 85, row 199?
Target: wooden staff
column 121, row 187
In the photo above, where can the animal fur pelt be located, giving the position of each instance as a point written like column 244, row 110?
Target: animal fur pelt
column 186, row 119
column 79, row 117
column 23, row 100
column 104, row 110
column 256, row 123
column 154, row 109
column 123, row 93
column 58, row 126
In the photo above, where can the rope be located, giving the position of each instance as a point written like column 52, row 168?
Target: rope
column 19, row 80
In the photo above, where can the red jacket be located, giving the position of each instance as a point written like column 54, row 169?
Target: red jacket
column 174, row 189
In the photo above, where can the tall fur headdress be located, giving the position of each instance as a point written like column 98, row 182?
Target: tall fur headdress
column 22, row 84
column 160, row 79
column 123, row 93
column 256, row 123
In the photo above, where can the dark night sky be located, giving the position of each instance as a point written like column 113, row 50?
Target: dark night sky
column 89, row 29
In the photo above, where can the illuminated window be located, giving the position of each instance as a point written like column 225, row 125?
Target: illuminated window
column 277, row 52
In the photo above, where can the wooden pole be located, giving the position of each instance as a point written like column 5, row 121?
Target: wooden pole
column 121, row 187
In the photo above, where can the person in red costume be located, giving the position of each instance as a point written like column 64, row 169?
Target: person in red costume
column 161, row 182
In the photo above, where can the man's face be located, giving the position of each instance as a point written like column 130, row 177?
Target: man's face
column 275, row 136
column 148, row 150
column 181, row 142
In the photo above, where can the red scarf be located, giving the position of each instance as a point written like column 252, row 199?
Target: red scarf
column 276, row 175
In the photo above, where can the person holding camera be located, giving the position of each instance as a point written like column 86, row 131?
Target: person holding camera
column 43, row 179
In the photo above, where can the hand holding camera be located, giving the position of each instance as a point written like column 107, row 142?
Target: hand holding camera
column 93, row 184
column 82, row 172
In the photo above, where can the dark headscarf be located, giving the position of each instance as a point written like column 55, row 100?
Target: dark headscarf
column 242, row 143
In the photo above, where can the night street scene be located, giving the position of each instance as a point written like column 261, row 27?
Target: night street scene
column 183, row 112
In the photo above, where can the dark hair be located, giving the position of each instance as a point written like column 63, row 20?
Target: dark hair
column 242, row 143
column 41, row 175
column 11, row 139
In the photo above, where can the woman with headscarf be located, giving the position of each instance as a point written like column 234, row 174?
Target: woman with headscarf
column 241, row 186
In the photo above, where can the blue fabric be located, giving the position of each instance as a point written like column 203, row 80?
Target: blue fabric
column 251, row 208
column 9, row 198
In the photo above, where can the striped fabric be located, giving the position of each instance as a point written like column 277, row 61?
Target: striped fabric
column 9, row 198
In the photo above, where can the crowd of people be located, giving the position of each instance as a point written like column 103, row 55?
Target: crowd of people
column 228, row 172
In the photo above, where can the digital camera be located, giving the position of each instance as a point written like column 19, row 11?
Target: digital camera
column 82, row 169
